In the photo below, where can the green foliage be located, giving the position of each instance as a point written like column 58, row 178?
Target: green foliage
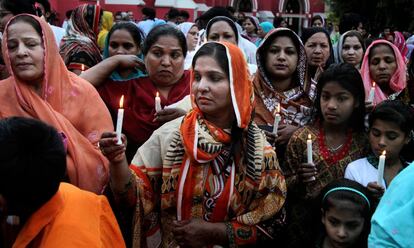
column 399, row 14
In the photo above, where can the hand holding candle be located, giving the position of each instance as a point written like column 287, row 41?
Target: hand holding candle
column 278, row 118
column 120, row 120
column 158, row 103
column 371, row 93
column 381, row 165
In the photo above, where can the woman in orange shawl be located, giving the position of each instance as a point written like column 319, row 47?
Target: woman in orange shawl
column 209, row 178
column 41, row 87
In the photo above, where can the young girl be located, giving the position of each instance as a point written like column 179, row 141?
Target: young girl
column 346, row 213
column 390, row 125
column 337, row 137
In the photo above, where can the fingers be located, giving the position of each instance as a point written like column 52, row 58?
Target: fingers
column 108, row 135
column 307, row 172
column 168, row 114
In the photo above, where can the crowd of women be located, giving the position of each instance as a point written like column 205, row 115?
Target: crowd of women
column 262, row 138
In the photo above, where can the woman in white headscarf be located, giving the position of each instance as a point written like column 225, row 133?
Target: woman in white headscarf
column 190, row 31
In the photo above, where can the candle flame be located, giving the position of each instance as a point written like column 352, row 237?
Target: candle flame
column 309, row 137
column 121, row 102
column 277, row 110
column 158, row 94
column 373, row 84
column 384, row 153
column 83, row 67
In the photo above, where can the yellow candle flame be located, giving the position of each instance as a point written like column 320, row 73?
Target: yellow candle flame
column 384, row 153
column 83, row 67
column 277, row 110
column 158, row 94
column 373, row 84
column 121, row 102
column 309, row 137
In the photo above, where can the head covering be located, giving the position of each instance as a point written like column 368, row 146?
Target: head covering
column 81, row 36
column 399, row 42
column 254, row 20
column 339, row 45
column 295, row 102
column 68, row 103
column 308, row 32
column 266, row 27
column 107, row 23
column 398, row 81
column 225, row 19
column 185, row 27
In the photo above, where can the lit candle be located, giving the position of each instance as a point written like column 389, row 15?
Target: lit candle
column 371, row 93
column 119, row 120
column 381, row 165
column 157, row 103
column 278, row 118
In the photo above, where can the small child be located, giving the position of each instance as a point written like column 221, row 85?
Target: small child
column 346, row 213
column 390, row 125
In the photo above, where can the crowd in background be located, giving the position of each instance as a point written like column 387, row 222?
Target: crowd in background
column 225, row 131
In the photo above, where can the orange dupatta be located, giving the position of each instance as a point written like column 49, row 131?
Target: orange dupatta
column 241, row 92
column 68, row 103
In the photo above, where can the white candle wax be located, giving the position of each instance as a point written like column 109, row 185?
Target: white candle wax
column 277, row 119
column 158, row 103
column 371, row 93
column 381, row 165
column 119, row 121
column 309, row 149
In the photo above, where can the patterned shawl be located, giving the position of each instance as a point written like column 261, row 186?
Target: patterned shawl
column 83, row 27
column 68, row 103
column 399, row 42
column 296, row 102
column 244, row 187
column 398, row 81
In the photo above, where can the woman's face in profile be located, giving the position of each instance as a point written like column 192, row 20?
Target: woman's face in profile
column 26, row 52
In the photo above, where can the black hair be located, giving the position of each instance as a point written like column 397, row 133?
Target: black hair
column 68, row 13
column 211, row 13
column 253, row 22
column 217, row 52
column 133, row 30
column 45, row 4
column 377, row 45
column 149, row 12
column 164, row 30
column 225, row 19
column 410, row 67
column 349, row 21
column 354, row 33
column 173, row 13
column 364, row 206
column 19, row 6
column 393, row 111
column 29, row 20
column 230, row 9
column 277, row 21
column 349, row 78
column 184, row 14
column 32, row 164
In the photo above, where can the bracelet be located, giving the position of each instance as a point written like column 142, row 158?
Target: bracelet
column 230, row 235
column 126, row 187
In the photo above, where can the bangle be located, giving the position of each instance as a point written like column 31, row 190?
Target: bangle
column 230, row 235
column 126, row 187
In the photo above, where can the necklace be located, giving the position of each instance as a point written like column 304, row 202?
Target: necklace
column 331, row 149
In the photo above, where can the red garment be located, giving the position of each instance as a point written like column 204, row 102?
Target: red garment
column 139, row 103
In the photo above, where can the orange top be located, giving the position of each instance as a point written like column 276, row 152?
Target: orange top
column 72, row 218
column 68, row 103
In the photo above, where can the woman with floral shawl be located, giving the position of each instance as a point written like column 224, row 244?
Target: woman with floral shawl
column 384, row 65
column 282, row 79
column 58, row 97
column 209, row 178
column 79, row 48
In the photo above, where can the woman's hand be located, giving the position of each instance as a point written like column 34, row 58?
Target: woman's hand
column 129, row 62
column 307, row 172
column 168, row 114
column 376, row 190
column 110, row 149
column 271, row 138
column 199, row 233
column 284, row 133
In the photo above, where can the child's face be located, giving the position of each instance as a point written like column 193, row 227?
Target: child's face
column 337, row 104
column 343, row 224
column 385, row 135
